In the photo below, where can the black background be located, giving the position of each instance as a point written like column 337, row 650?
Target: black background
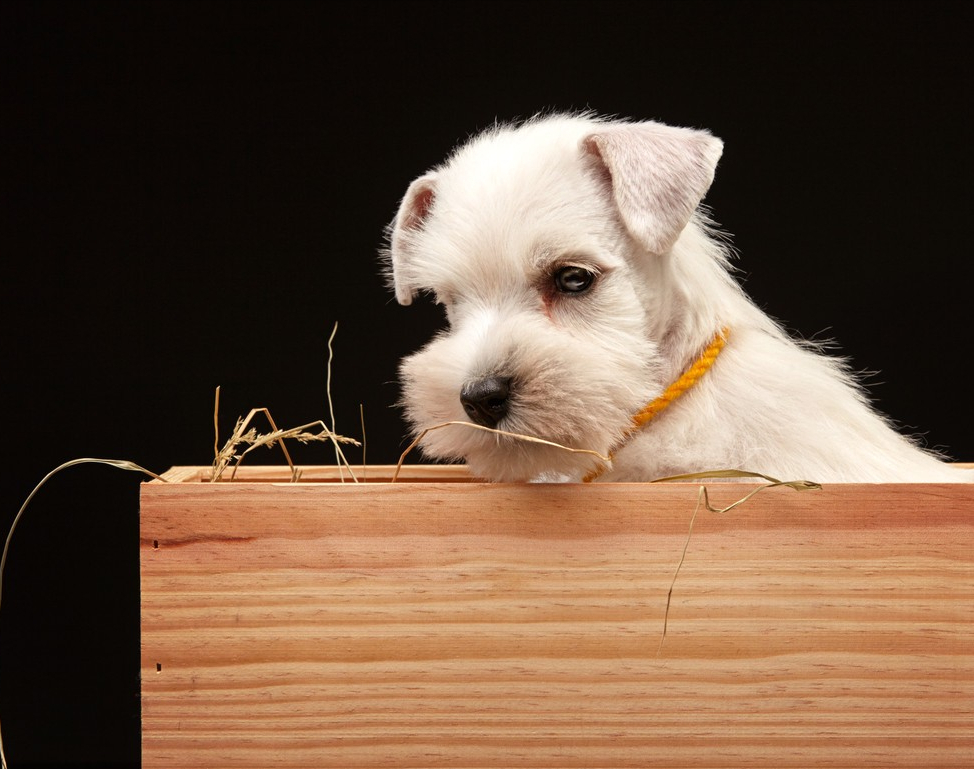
column 193, row 194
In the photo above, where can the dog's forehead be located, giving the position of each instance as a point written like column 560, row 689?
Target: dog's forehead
column 511, row 197
column 538, row 165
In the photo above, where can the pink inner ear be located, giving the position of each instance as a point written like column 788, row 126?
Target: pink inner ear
column 415, row 209
column 658, row 173
column 591, row 146
column 419, row 207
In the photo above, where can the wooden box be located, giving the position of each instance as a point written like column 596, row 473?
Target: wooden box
column 440, row 623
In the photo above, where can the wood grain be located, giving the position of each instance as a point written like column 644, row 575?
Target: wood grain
column 434, row 623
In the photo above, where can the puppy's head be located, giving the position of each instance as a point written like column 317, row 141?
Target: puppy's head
column 546, row 245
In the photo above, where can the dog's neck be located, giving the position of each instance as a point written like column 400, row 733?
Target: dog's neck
column 686, row 380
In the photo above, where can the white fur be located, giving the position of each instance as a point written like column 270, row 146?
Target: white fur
column 484, row 233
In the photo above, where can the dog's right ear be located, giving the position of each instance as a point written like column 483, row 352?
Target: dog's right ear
column 658, row 175
column 410, row 218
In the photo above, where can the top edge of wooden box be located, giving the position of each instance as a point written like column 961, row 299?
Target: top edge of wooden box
column 439, row 496
column 315, row 474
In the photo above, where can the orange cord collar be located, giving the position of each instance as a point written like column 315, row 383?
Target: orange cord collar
column 689, row 378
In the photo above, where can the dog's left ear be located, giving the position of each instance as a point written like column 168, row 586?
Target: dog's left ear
column 412, row 214
column 659, row 174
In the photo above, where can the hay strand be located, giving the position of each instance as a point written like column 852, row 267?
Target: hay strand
column 365, row 443
column 244, row 434
column 331, row 407
column 703, row 496
column 121, row 464
column 518, row 436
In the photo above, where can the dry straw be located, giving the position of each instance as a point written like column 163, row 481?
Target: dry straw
column 703, row 496
column 121, row 464
column 230, row 455
column 518, row 436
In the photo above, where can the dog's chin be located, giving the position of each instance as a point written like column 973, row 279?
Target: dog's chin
column 506, row 459
column 502, row 469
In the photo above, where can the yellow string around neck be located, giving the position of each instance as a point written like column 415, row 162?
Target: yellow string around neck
column 687, row 380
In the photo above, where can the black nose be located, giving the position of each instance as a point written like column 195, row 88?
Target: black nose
column 486, row 400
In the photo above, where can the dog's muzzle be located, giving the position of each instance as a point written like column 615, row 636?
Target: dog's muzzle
column 486, row 400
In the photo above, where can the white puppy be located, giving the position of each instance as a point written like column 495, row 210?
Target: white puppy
column 581, row 282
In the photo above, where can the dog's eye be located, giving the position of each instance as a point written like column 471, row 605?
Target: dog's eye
column 573, row 280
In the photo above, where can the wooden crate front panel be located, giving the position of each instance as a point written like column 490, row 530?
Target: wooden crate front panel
column 474, row 625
